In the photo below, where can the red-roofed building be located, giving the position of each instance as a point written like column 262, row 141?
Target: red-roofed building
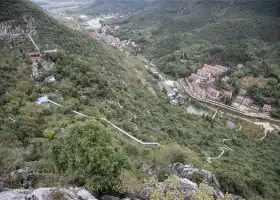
column 34, row 54
column 238, row 99
column 247, row 101
column 267, row 108
column 227, row 93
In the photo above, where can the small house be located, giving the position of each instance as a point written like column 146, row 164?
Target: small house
column 247, row 101
column 267, row 108
column 227, row 94
column 242, row 92
column 238, row 99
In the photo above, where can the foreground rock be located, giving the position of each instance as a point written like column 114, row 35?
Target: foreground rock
column 188, row 173
column 47, row 194
column 24, row 177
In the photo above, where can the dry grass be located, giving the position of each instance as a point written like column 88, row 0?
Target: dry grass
column 251, row 129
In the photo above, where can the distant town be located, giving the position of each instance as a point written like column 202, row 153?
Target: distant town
column 203, row 83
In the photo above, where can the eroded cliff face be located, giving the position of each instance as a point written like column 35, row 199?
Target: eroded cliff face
column 17, row 29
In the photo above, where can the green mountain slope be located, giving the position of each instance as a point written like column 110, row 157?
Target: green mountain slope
column 183, row 35
column 92, row 78
column 169, row 26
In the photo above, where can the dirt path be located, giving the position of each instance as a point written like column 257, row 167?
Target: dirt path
column 223, row 149
column 33, row 42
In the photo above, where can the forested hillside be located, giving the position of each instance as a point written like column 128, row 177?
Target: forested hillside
column 67, row 149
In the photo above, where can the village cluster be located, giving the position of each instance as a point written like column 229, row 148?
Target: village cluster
column 103, row 33
column 203, row 84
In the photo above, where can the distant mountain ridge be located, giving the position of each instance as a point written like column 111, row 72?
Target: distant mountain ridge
column 117, row 6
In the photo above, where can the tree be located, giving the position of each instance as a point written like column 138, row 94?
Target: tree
column 48, row 133
column 87, row 154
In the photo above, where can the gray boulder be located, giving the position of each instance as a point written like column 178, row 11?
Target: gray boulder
column 182, row 170
column 210, row 178
column 85, row 195
column 188, row 171
column 107, row 197
column 144, row 193
column 188, row 185
column 25, row 176
column 47, row 194
column 235, row 197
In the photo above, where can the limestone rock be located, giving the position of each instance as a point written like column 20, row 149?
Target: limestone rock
column 188, row 171
column 144, row 193
column 210, row 178
column 25, row 176
column 235, row 197
column 47, row 194
column 183, row 170
column 85, row 195
column 107, row 197
column 188, row 185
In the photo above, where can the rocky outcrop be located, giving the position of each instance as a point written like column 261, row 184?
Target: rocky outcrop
column 12, row 30
column 188, row 185
column 235, row 197
column 24, row 177
column 190, row 172
column 47, row 194
column 145, row 192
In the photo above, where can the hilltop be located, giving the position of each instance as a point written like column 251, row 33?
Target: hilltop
column 66, row 149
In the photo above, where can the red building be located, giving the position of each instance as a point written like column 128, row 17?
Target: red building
column 34, row 54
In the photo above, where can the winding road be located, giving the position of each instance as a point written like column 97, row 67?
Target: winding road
column 223, row 149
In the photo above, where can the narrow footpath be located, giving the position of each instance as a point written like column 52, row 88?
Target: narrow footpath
column 151, row 144
column 223, row 149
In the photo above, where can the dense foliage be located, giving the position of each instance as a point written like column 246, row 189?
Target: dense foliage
column 89, row 155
